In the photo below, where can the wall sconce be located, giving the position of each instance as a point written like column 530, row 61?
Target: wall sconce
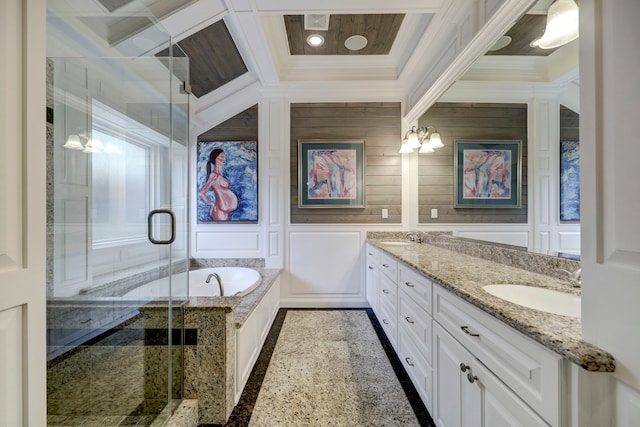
column 93, row 145
column 73, row 142
column 562, row 25
column 415, row 138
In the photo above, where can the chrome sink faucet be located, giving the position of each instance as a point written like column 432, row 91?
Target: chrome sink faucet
column 219, row 279
column 575, row 278
column 414, row 236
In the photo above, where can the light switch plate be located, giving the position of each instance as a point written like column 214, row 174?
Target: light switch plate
column 434, row 213
column 385, row 213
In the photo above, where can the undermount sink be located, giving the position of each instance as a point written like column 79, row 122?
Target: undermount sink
column 542, row 299
column 398, row 243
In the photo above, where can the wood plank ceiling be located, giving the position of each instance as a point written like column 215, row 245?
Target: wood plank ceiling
column 527, row 29
column 213, row 57
column 215, row 60
column 379, row 29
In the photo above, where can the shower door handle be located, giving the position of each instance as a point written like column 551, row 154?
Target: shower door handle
column 150, row 226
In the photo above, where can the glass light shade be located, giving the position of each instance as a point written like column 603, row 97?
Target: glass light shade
column 426, row 148
column 562, row 25
column 93, row 146
column 413, row 141
column 435, row 141
column 405, row 148
column 73, row 142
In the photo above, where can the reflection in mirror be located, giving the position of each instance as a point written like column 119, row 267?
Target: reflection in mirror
column 497, row 99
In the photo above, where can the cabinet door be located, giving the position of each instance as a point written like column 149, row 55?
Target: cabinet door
column 456, row 402
column 475, row 397
column 500, row 407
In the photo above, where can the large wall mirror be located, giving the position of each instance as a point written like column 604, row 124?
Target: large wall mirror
column 498, row 99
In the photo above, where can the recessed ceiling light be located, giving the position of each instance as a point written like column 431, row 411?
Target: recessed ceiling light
column 501, row 43
column 356, row 42
column 315, row 40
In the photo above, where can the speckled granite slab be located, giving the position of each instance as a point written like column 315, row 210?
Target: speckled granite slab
column 329, row 369
column 186, row 415
column 465, row 275
column 242, row 306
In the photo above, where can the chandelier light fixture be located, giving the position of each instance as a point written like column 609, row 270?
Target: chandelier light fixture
column 426, row 138
column 562, row 25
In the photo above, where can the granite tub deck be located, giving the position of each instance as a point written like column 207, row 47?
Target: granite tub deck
column 209, row 355
column 465, row 275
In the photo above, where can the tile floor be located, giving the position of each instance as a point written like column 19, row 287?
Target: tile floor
column 317, row 368
column 328, row 368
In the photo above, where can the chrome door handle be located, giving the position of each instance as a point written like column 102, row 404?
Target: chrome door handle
column 409, row 319
column 409, row 284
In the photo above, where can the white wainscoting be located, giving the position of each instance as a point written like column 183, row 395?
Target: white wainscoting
column 228, row 244
column 569, row 241
column 325, row 270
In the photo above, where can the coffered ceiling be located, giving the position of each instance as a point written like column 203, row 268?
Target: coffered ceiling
column 415, row 48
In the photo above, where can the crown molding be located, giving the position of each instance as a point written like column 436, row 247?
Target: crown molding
column 341, row 91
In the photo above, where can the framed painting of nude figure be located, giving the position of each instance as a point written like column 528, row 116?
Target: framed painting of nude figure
column 331, row 174
column 227, row 180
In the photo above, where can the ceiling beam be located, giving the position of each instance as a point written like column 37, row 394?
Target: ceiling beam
column 300, row 7
column 193, row 18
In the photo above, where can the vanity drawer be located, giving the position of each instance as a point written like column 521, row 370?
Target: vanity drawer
column 417, row 366
column 529, row 369
column 373, row 255
column 389, row 266
column 388, row 321
column 416, row 322
column 416, row 285
column 387, row 291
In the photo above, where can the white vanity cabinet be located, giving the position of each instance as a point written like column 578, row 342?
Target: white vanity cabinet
column 487, row 375
column 467, row 394
column 469, row 368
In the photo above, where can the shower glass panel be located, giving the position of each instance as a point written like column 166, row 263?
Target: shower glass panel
column 117, row 222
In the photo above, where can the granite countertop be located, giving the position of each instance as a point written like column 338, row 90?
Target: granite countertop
column 465, row 275
column 242, row 306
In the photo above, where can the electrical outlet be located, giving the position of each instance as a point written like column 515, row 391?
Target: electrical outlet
column 385, row 213
column 434, row 213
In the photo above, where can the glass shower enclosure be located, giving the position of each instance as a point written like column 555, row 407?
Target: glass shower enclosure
column 117, row 241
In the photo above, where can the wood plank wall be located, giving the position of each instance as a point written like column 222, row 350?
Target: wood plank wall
column 436, row 173
column 241, row 127
column 569, row 124
column 379, row 125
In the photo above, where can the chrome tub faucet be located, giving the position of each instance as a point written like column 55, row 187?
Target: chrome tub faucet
column 219, row 279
